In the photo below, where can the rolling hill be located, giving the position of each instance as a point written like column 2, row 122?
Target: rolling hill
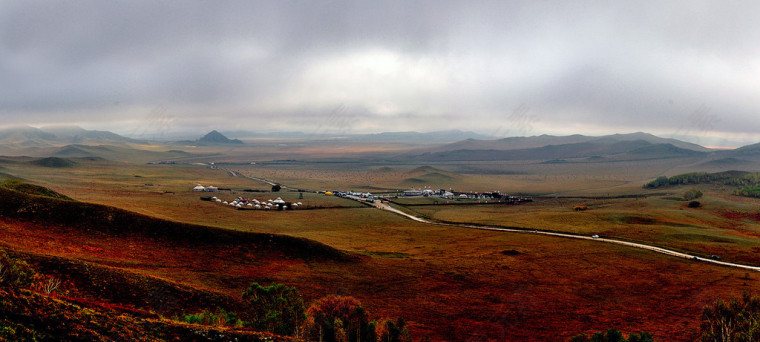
column 79, row 135
column 27, row 136
column 102, row 295
column 635, row 149
column 109, row 220
column 523, row 143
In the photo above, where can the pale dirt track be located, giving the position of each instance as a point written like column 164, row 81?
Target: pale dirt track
column 383, row 206
column 661, row 250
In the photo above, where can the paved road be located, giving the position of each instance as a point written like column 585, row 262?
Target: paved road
column 378, row 204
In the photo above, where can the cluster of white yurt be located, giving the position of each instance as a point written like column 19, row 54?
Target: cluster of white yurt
column 256, row 204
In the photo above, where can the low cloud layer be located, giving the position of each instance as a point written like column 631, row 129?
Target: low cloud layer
column 687, row 69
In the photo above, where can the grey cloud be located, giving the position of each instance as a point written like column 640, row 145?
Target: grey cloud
column 621, row 65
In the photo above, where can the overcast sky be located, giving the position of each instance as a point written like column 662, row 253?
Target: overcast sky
column 504, row 68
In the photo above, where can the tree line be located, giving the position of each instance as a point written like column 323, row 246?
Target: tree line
column 747, row 183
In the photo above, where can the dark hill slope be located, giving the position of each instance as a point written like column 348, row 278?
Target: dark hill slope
column 577, row 150
column 31, row 189
column 97, row 218
column 212, row 138
column 664, row 151
column 32, row 316
column 215, row 137
column 753, row 150
column 118, row 286
column 53, row 162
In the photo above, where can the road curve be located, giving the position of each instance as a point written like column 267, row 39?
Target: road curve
column 661, row 250
column 383, row 206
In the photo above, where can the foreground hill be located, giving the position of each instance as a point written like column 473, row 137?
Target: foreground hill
column 449, row 283
column 113, row 221
column 98, row 304
column 100, row 299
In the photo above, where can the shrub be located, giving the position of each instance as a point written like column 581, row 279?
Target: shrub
column 735, row 320
column 334, row 318
column 14, row 272
column 612, row 335
column 692, row 194
column 218, row 319
column 276, row 308
column 393, row 331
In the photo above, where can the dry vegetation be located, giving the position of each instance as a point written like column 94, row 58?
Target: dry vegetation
column 449, row 283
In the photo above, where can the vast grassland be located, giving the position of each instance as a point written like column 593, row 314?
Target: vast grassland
column 450, row 283
column 724, row 225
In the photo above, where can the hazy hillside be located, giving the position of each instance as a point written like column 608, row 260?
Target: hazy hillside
column 519, row 143
column 635, row 149
column 79, row 135
column 417, row 138
column 26, row 136
column 753, row 149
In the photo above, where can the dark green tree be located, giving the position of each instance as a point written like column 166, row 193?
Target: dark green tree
column 276, row 188
column 640, row 337
column 333, row 317
column 15, row 272
column 612, row 335
column 276, row 308
column 738, row 319
column 393, row 331
column 692, row 194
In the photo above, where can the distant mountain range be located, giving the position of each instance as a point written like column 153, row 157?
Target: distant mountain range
column 27, row 136
column 518, row 143
column 441, row 146
column 633, row 146
column 427, row 138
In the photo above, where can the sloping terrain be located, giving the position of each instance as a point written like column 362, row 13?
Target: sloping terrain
column 449, row 283
column 99, row 303
column 112, row 221
column 105, row 259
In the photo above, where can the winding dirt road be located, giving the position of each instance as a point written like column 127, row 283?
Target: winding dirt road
column 387, row 207
column 661, row 250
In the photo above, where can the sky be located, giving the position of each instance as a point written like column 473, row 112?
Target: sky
column 685, row 69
